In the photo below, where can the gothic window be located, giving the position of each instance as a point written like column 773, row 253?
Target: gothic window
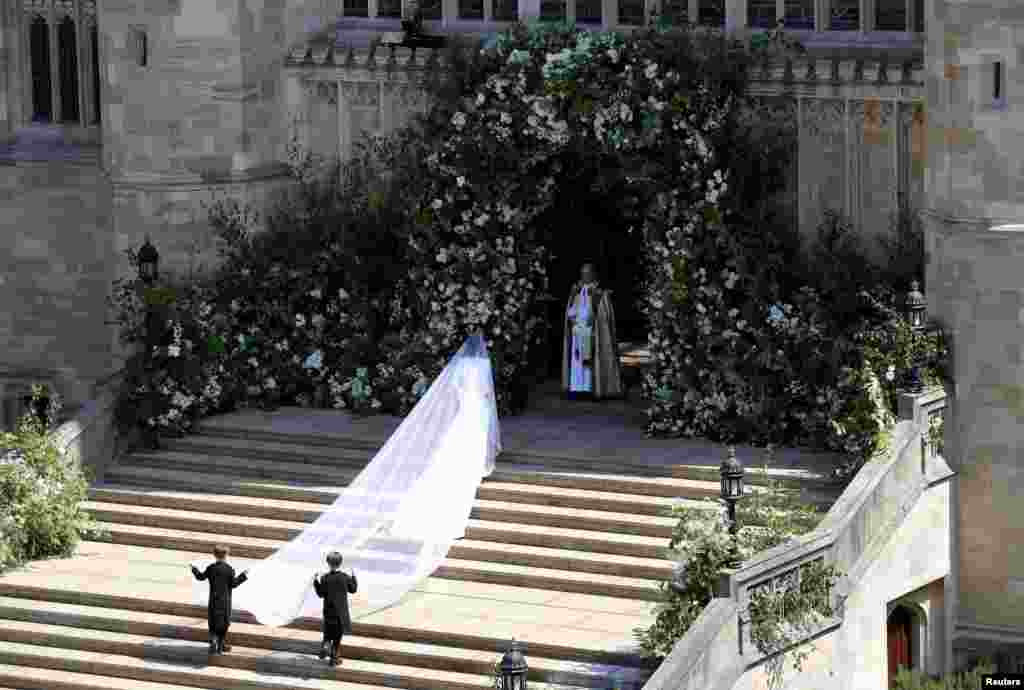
column 891, row 15
column 68, row 52
column 42, row 93
column 552, row 9
column 676, row 11
column 506, row 10
column 761, row 14
column 711, row 12
column 94, row 44
column 389, row 8
column 471, row 9
column 844, row 15
column 919, row 16
column 631, row 12
column 141, row 47
column 355, row 8
column 588, row 11
column 431, row 9
column 998, row 82
column 799, row 14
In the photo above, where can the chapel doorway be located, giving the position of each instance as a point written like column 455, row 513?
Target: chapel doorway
column 587, row 224
column 899, row 632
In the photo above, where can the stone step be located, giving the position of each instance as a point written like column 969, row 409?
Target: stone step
column 490, row 520
column 551, row 557
column 514, row 575
column 553, row 517
column 444, row 613
column 662, row 487
column 295, row 641
column 357, row 453
column 33, row 647
column 23, row 678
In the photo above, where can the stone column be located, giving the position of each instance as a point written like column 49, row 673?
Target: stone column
column 609, row 14
column 736, row 13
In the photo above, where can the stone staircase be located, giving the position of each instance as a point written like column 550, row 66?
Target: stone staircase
column 565, row 559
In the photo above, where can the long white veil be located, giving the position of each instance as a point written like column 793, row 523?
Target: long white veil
column 396, row 521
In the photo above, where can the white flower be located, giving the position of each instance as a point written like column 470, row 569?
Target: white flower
column 253, row 362
column 437, row 204
column 651, row 70
column 315, row 294
column 890, row 373
column 461, row 181
column 506, row 118
column 300, row 320
column 342, row 294
column 459, row 120
column 479, row 99
column 270, row 383
column 174, row 351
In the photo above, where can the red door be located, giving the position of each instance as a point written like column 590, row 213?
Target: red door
column 898, row 637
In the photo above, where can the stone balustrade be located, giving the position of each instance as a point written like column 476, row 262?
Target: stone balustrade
column 718, row 650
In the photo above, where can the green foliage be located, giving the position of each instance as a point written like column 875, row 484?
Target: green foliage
column 701, row 545
column 964, row 680
column 41, row 492
column 781, row 620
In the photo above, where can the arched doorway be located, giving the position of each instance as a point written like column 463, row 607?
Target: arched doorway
column 68, row 54
column 899, row 637
column 590, row 222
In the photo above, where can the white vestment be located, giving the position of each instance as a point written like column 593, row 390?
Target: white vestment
column 581, row 376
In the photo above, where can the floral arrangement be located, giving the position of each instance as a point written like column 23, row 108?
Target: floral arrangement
column 540, row 90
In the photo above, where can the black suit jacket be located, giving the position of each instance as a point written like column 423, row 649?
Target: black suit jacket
column 222, row 580
column 334, row 588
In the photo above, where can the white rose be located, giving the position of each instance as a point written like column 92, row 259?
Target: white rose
column 437, row 204
column 300, row 320
column 174, row 351
column 342, row 294
column 315, row 294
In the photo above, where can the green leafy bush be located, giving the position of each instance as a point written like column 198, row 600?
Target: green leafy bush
column 965, row 680
column 701, row 546
column 41, row 493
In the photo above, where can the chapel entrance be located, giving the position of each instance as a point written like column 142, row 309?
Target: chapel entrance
column 899, row 629
column 586, row 224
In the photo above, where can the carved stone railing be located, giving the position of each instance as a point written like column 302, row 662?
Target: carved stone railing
column 90, row 438
column 717, row 650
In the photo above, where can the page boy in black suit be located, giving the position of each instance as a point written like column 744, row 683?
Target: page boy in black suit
column 334, row 588
column 218, row 613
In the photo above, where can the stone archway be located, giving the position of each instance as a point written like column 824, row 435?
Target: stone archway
column 902, row 640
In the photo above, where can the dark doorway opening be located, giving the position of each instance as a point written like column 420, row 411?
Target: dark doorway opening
column 42, row 94
column 898, row 636
column 591, row 221
column 68, row 48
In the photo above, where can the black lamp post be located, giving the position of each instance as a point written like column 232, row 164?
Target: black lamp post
column 916, row 307
column 731, row 472
column 512, row 670
column 149, row 271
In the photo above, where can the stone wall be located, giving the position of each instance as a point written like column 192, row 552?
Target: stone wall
column 55, row 227
column 975, row 145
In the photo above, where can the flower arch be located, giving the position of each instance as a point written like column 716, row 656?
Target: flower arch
column 540, row 92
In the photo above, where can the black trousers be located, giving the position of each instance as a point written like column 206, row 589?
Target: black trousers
column 332, row 631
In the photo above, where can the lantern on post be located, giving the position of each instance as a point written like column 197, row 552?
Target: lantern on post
column 731, row 473
column 512, row 670
column 149, row 262
column 916, row 312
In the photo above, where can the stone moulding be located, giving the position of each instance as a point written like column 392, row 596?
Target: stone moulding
column 871, row 507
